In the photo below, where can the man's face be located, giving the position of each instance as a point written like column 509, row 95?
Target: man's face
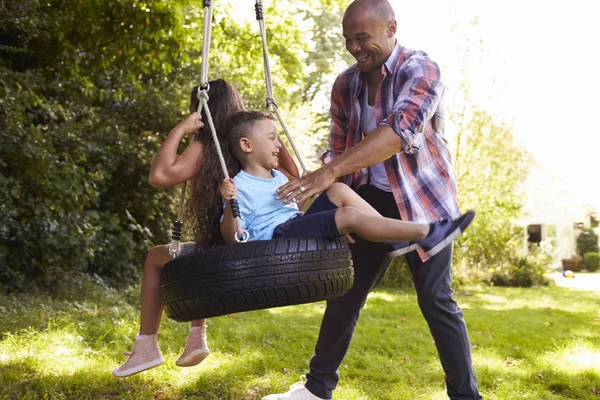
column 369, row 39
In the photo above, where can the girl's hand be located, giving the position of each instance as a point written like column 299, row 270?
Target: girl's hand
column 189, row 125
column 227, row 189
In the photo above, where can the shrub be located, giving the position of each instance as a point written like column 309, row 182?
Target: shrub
column 587, row 242
column 523, row 271
column 398, row 275
column 591, row 261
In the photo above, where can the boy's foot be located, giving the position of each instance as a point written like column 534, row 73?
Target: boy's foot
column 145, row 355
column 297, row 392
column 400, row 248
column 444, row 232
column 196, row 348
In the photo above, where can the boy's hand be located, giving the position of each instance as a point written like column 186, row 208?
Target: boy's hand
column 227, row 189
column 190, row 125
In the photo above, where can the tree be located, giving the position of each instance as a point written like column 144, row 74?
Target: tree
column 490, row 168
column 88, row 89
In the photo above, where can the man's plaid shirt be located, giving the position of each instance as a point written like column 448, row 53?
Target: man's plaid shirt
column 409, row 100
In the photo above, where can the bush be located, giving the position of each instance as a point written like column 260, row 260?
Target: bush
column 591, row 261
column 524, row 271
column 398, row 275
column 587, row 242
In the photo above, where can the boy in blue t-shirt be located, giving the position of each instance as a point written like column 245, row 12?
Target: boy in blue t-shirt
column 253, row 138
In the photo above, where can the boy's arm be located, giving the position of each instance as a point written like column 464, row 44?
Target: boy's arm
column 228, row 191
column 228, row 225
column 167, row 168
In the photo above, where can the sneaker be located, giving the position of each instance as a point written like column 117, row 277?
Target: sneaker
column 444, row 232
column 400, row 248
column 297, row 392
column 196, row 348
column 145, row 355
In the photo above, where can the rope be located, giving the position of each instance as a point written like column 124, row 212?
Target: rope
column 206, row 43
column 174, row 248
column 271, row 103
column 241, row 235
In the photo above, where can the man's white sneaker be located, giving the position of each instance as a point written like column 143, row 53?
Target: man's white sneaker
column 297, row 392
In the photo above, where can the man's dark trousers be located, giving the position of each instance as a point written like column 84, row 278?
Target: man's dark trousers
column 432, row 282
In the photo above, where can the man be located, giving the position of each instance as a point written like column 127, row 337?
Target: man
column 387, row 143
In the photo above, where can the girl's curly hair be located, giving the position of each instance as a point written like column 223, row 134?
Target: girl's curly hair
column 205, row 206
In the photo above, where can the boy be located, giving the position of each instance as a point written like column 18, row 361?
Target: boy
column 254, row 140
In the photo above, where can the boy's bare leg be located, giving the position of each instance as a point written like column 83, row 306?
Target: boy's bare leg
column 355, row 215
column 151, row 302
column 343, row 196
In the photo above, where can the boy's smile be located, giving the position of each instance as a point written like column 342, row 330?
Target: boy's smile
column 265, row 144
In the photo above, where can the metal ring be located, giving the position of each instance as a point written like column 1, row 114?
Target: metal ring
column 244, row 236
column 301, row 189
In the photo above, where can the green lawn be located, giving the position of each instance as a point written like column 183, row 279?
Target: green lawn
column 539, row 343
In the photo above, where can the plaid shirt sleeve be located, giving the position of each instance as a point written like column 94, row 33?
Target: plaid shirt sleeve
column 416, row 103
column 339, row 123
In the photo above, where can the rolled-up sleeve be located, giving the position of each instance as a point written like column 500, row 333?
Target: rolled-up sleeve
column 419, row 96
column 339, row 125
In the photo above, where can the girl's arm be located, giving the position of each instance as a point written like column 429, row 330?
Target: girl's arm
column 169, row 170
column 287, row 165
column 228, row 225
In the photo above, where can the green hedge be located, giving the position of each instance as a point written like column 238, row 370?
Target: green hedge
column 591, row 261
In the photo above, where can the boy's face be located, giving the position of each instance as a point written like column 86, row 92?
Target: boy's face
column 264, row 143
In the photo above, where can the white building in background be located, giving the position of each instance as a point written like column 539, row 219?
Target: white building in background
column 554, row 214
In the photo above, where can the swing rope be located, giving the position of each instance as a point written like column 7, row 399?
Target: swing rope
column 241, row 235
column 271, row 103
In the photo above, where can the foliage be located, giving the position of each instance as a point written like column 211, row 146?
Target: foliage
column 524, row 271
column 398, row 275
column 88, row 89
column 490, row 168
column 587, row 242
column 591, row 261
column 540, row 343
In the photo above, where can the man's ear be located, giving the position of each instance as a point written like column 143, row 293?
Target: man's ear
column 392, row 27
column 246, row 145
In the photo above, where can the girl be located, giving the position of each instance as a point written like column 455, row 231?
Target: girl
column 204, row 210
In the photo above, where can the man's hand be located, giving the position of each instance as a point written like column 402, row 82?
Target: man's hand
column 306, row 186
column 190, row 125
column 227, row 189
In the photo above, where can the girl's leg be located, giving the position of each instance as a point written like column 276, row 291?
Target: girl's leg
column 355, row 215
column 151, row 303
column 146, row 353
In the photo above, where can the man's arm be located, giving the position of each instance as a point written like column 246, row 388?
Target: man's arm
column 401, row 131
column 417, row 102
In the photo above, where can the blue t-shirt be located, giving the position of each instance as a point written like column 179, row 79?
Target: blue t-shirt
column 260, row 212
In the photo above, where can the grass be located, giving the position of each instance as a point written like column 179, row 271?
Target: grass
column 541, row 343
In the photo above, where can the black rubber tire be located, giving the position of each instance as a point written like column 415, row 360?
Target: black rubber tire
column 255, row 275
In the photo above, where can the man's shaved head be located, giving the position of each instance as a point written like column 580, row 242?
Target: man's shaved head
column 379, row 8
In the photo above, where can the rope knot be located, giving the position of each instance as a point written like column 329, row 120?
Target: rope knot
column 203, row 95
column 271, row 102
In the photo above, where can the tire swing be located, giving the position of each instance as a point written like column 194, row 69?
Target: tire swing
column 253, row 275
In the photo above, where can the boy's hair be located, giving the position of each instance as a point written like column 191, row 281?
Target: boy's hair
column 239, row 125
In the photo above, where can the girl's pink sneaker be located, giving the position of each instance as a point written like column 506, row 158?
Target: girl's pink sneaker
column 196, row 348
column 145, row 355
